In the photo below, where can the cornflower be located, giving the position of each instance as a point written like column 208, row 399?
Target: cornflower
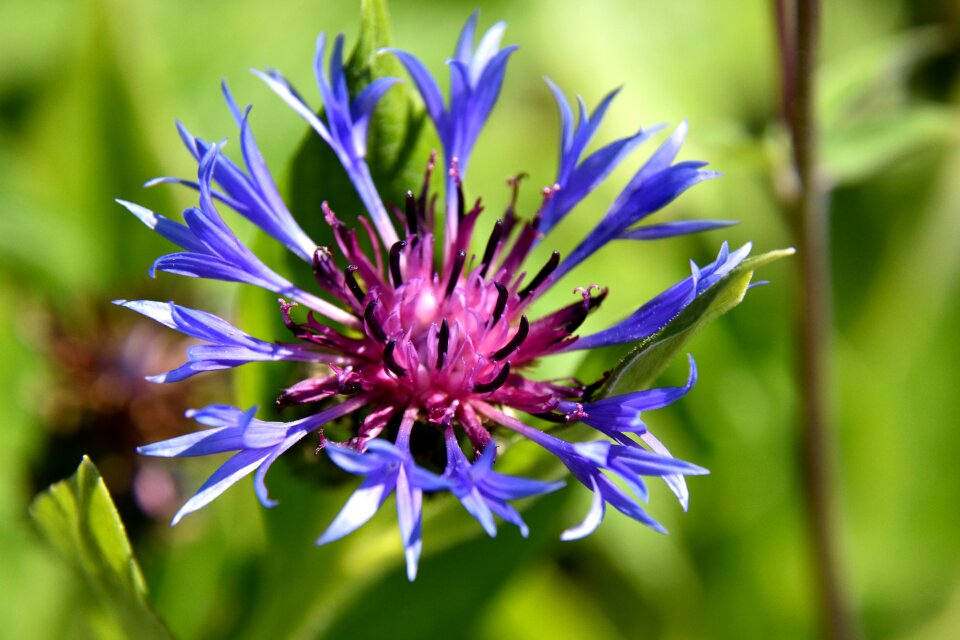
column 411, row 344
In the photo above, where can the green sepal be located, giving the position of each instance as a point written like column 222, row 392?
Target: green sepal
column 397, row 148
column 641, row 366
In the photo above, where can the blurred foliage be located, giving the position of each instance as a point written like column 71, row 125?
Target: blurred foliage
column 86, row 111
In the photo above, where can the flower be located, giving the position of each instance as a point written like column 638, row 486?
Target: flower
column 410, row 345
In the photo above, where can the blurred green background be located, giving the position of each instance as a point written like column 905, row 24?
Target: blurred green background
column 89, row 91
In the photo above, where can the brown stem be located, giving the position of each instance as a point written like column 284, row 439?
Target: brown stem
column 798, row 50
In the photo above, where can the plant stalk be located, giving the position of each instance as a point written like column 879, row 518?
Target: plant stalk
column 809, row 218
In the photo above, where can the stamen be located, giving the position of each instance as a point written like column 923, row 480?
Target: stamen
column 542, row 275
column 390, row 363
column 455, row 273
column 287, row 320
column 501, row 302
column 515, row 341
column 323, row 270
column 589, row 304
column 443, row 340
column 455, row 174
column 411, row 211
column 352, row 282
column 496, row 383
column 492, row 244
column 461, row 205
column 556, row 418
column 510, row 215
column 373, row 325
column 395, row 262
column 422, row 201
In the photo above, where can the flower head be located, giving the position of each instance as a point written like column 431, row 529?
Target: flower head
column 410, row 344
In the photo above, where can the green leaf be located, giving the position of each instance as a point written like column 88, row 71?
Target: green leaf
column 868, row 145
column 644, row 363
column 868, row 112
column 78, row 518
column 397, row 149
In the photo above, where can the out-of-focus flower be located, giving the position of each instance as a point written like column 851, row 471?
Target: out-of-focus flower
column 409, row 343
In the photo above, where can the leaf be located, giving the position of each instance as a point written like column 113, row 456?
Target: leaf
column 868, row 145
column 868, row 112
column 78, row 518
column 397, row 150
column 644, row 363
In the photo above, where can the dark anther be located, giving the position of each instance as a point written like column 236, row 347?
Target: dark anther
column 352, row 282
column 373, row 325
column 550, row 416
column 443, row 340
column 542, row 275
column 320, row 256
column 390, row 363
column 455, row 273
column 411, row 211
column 574, row 323
column 424, row 190
column 593, row 387
column 395, row 263
column 496, row 383
column 461, row 209
column 501, row 302
column 492, row 243
column 515, row 341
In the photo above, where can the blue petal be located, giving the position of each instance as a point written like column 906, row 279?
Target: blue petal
column 566, row 127
column 646, row 320
column 288, row 95
column 486, row 50
column 409, row 508
column 175, row 232
column 648, row 399
column 426, row 85
column 656, row 313
column 593, row 518
column 361, row 506
column 675, row 481
column 200, row 443
column 464, row 49
column 362, row 108
column 232, row 470
column 506, row 487
column 654, row 186
column 352, row 461
column 673, row 229
column 222, row 415
column 260, row 487
column 266, row 208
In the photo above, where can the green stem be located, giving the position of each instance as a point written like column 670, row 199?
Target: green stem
column 809, row 217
